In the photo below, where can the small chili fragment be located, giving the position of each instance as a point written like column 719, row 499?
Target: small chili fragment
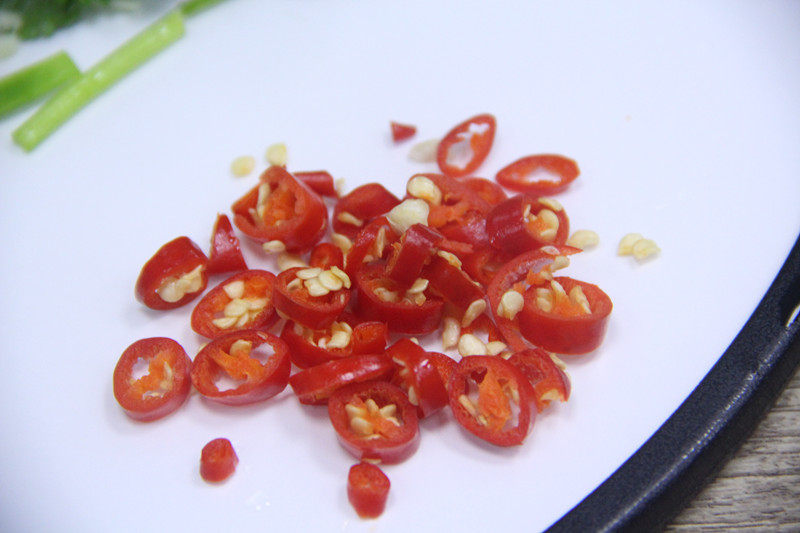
column 401, row 132
column 226, row 252
column 367, row 489
column 319, row 181
column 466, row 146
column 418, row 376
column 539, row 175
column 218, row 460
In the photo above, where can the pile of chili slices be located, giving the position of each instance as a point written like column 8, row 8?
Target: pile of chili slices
column 455, row 254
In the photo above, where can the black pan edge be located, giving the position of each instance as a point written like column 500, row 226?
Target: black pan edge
column 657, row 481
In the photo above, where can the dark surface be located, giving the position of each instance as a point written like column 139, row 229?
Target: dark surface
column 674, row 464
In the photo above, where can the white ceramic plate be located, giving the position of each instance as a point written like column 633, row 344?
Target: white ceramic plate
column 683, row 118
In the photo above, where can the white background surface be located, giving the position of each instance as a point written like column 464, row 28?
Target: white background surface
column 683, row 118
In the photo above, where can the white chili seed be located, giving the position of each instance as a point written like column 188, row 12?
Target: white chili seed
column 474, row 310
column 424, row 152
column 308, row 273
column 424, row 188
column 243, row 165
column 330, row 281
column 626, row 243
column 348, row 218
column 234, row 289
column 273, row 247
column 583, row 239
column 469, row 344
column 277, row 154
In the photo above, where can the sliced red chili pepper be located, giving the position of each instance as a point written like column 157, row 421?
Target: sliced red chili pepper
column 243, row 301
column 361, row 205
column 162, row 389
column 379, row 298
column 313, row 386
column 539, row 175
column 325, row 255
column 418, row 376
column 514, row 272
column 218, row 460
column 372, row 243
column 226, row 252
column 549, row 382
column 489, row 190
column 282, row 208
column 367, row 489
column 466, row 146
column 499, row 412
column 345, row 337
column 449, row 280
column 523, row 223
column 319, row 181
column 174, row 276
column 242, row 367
column 568, row 317
column 297, row 301
column 401, row 132
column 375, row 421
column 410, row 254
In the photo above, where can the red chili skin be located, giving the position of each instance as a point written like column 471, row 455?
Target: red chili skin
column 364, row 244
column 477, row 369
column 366, row 203
column 226, row 252
column 452, row 283
column 218, row 460
column 444, row 364
column 393, row 448
column 517, row 176
column 325, row 255
column 401, row 316
column 319, row 181
column 367, row 338
column 414, row 368
column 566, row 334
column 479, row 131
column 315, row 312
column 176, row 258
column 511, row 233
column 313, row 386
column 401, row 132
column 515, row 271
column 259, row 381
column 294, row 214
column 367, row 490
column 461, row 215
column 145, row 399
column 258, row 284
column 489, row 190
column 483, row 264
column 547, row 380
column 410, row 254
